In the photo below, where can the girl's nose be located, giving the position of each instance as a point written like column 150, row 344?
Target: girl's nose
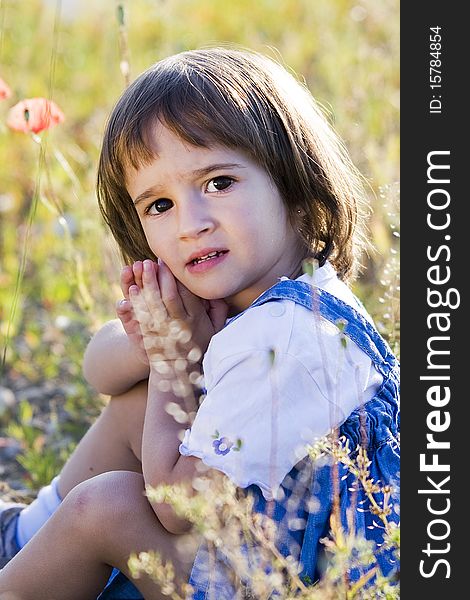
column 194, row 219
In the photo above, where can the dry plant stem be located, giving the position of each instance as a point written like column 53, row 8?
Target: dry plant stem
column 2, row 27
column 163, row 574
column 55, row 43
column 123, row 45
column 212, row 566
column 361, row 472
column 274, row 426
column 360, row 401
column 236, row 518
column 363, row 477
column 22, row 263
column 259, row 535
column 361, row 582
column 335, row 518
column 84, row 297
column 363, row 432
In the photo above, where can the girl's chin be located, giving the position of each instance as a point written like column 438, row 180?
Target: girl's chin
column 206, row 294
column 210, row 289
column 208, row 297
column 209, row 292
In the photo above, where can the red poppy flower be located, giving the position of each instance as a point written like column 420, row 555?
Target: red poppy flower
column 34, row 114
column 5, row 91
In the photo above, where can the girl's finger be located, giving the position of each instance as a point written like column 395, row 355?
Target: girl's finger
column 124, row 310
column 127, row 279
column 149, row 323
column 137, row 269
column 140, row 308
column 123, row 306
column 151, row 290
column 169, row 292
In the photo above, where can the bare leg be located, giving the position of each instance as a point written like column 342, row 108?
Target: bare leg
column 99, row 524
column 112, row 443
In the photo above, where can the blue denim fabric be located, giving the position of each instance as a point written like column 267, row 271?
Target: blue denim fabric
column 312, row 484
column 120, row 588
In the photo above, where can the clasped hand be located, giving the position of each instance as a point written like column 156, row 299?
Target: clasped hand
column 162, row 318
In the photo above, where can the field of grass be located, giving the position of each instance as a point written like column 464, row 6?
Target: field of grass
column 59, row 268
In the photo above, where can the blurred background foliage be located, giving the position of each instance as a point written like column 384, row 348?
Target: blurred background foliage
column 59, row 269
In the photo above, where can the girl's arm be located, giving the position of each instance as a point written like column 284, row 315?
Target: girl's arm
column 173, row 356
column 111, row 364
column 161, row 461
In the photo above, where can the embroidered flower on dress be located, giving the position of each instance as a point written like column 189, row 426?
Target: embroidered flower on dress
column 222, row 445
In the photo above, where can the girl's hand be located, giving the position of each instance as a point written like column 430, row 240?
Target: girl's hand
column 131, row 276
column 173, row 321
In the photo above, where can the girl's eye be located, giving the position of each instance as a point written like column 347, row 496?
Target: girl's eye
column 159, row 206
column 219, row 184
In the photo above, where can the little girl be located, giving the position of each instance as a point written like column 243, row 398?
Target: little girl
column 219, row 177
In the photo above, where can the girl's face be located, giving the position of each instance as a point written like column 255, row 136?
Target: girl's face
column 215, row 218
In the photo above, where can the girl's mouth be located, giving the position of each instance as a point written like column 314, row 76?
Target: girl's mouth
column 203, row 263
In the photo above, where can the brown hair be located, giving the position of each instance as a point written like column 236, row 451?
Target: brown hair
column 243, row 100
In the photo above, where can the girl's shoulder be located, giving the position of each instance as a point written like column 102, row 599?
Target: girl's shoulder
column 281, row 323
column 268, row 325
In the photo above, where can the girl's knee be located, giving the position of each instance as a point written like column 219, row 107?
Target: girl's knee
column 106, row 500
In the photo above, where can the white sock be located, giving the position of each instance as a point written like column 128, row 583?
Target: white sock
column 36, row 514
